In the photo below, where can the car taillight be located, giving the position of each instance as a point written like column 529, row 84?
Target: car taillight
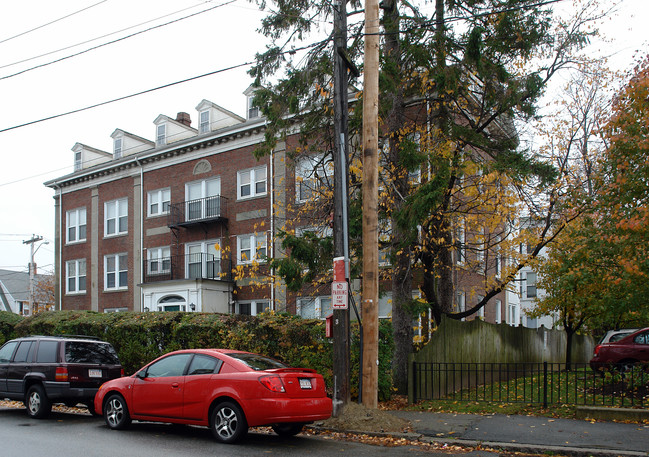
column 272, row 383
column 121, row 373
column 597, row 348
column 61, row 374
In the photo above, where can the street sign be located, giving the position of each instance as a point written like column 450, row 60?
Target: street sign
column 339, row 293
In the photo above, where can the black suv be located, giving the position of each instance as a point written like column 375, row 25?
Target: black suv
column 41, row 370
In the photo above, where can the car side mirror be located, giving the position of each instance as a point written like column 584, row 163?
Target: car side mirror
column 141, row 374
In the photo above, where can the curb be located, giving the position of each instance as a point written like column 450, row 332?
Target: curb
column 495, row 445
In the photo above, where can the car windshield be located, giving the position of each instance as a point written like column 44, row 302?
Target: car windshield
column 82, row 352
column 257, row 362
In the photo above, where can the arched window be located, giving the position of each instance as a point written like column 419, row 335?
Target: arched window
column 172, row 303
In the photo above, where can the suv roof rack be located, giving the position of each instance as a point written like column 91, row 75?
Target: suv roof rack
column 79, row 337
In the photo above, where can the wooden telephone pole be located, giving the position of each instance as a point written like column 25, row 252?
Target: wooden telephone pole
column 370, row 295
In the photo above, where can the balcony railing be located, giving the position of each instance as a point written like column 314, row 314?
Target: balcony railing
column 197, row 211
column 191, row 266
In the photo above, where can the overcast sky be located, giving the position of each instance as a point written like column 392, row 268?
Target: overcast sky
column 210, row 41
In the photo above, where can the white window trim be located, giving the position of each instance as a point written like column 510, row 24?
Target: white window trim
column 318, row 311
column 161, row 134
column 118, row 147
column 161, row 254
column 77, row 212
column 204, row 127
column 257, row 241
column 118, row 285
column 204, row 246
column 158, row 197
column 253, row 305
column 204, row 198
column 77, row 263
column 78, row 161
column 119, row 204
column 253, row 174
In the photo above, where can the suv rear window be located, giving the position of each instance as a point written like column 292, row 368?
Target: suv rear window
column 81, row 352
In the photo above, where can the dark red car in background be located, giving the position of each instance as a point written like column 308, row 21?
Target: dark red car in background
column 624, row 353
column 225, row 390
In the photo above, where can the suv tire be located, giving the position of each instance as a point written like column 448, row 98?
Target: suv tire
column 37, row 403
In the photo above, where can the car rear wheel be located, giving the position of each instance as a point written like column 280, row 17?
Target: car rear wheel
column 37, row 403
column 116, row 412
column 288, row 429
column 228, row 422
column 626, row 365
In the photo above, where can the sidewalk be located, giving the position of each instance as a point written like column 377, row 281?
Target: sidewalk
column 532, row 434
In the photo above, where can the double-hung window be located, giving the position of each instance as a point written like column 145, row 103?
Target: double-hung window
column 204, row 122
column 77, row 161
column 251, row 248
column 203, row 260
column 314, row 307
column 161, row 134
column 116, row 217
column 117, row 148
column 159, row 260
column 251, row 182
column 203, row 199
column 75, row 221
column 311, row 172
column 252, row 308
column 159, row 202
column 115, row 271
column 530, row 283
column 75, row 275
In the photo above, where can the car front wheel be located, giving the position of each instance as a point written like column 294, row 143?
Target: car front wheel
column 228, row 422
column 288, row 429
column 116, row 412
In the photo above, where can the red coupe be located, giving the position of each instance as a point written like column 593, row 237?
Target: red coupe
column 225, row 390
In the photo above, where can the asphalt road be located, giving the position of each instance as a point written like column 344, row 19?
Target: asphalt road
column 75, row 435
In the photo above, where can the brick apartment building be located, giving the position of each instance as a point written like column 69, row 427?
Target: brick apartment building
column 179, row 223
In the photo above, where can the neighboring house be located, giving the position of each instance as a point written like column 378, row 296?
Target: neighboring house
column 14, row 293
column 187, row 222
column 529, row 293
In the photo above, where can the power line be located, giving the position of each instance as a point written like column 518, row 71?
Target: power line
column 109, row 42
column 52, row 22
column 164, row 86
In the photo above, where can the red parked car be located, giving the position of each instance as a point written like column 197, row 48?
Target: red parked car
column 225, row 390
column 624, row 353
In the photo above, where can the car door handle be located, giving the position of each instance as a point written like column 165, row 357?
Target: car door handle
column 175, row 385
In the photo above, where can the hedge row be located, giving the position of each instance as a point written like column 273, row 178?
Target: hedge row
column 141, row 337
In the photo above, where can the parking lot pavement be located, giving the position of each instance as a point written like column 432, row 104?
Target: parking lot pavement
column 533, row 434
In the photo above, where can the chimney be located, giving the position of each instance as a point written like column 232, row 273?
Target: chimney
column 184, row 119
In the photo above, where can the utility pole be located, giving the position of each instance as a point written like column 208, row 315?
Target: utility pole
column 340, row 327
column 31, row 242
column 370, row 295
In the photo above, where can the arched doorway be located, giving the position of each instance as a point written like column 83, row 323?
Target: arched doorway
column 172, row 303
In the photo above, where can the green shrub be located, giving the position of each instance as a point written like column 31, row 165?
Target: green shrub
column 141, row 337
column 8, row 323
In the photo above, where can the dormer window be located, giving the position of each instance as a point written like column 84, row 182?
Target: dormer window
column 161, row 134
column 204, row 123
column 253, row 111
column 77, row 161
column 117, row 148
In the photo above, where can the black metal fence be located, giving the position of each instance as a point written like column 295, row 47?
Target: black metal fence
column 196, row 211
column 543, row 383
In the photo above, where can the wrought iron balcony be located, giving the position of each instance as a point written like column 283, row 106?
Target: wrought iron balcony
column 190, row 266
column 200, row 211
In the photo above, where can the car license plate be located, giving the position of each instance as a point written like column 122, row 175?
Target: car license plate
column 305, row 383
column 93, row 373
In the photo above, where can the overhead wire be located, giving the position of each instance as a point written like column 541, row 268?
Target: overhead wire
column 51, row 22
column 117, row 40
